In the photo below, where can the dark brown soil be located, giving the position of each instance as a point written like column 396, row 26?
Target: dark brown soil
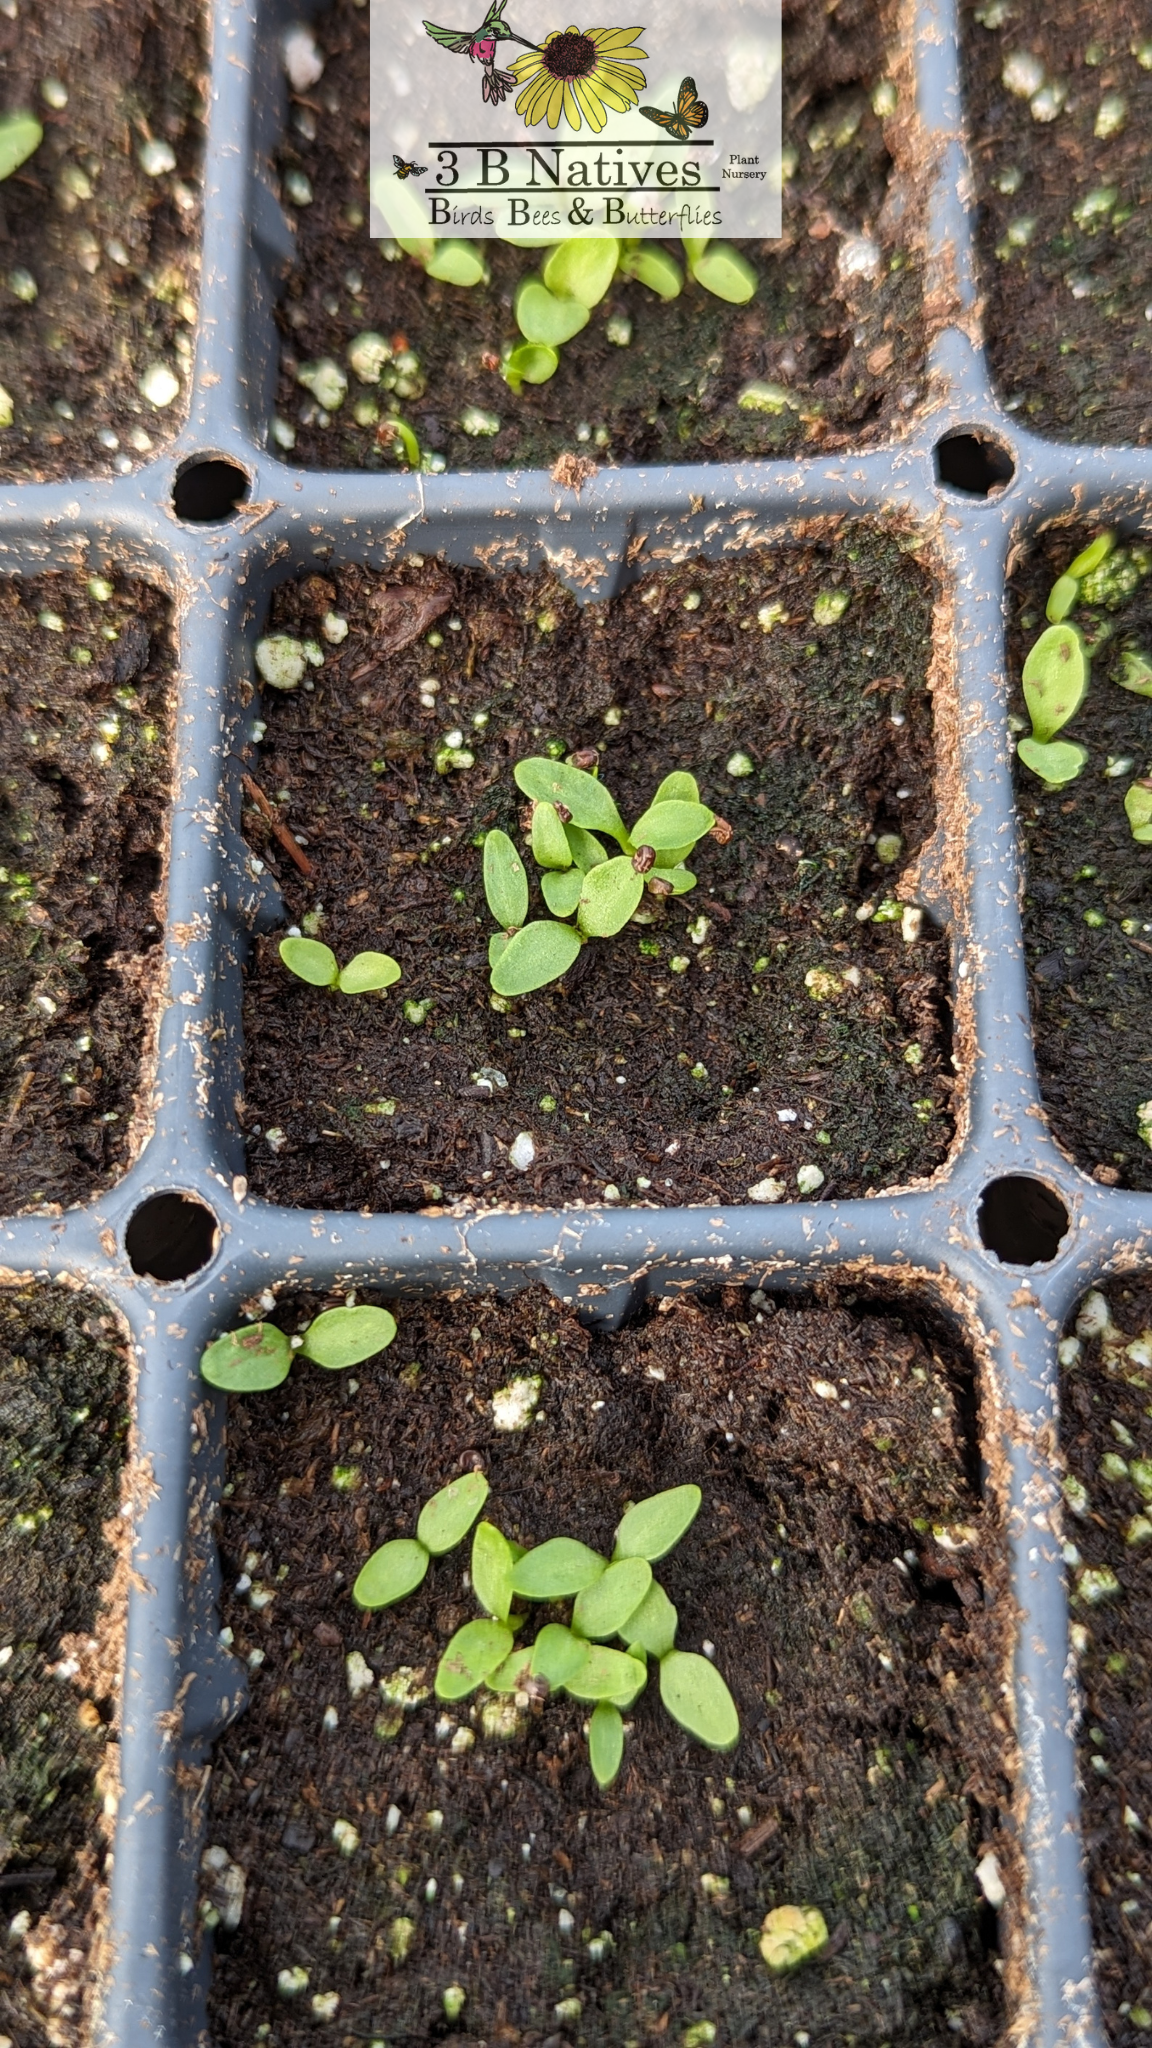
column 82, row 841
column 118, row 270
column 63, row 1441
column 864, row 1659
column 852, row 357
column 350, row 1104
column 1090, row 985
column 1105, row 1402
column 1066, row 316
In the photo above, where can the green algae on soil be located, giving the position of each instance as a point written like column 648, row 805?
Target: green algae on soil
column 1064, row 215
column 63, row 1445
column 84, row 728
column 1106, row 1416
column 1090, row 981
column 866, row 1660
column 111, row 251
column 690, row 1058
column 847, row 349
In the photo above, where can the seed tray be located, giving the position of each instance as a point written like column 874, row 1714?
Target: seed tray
column 1005, row 1238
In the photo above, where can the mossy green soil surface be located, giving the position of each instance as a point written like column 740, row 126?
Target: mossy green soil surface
column 850, row 353
column 1099, row 1402
column 63, row 1437
column 685, row 1061
column 83, row 790
column 113, row 253
column 1066, row 321
column 1090, row 983
column 865, row 1660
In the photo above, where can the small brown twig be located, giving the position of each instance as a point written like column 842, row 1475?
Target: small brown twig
column 279, row 828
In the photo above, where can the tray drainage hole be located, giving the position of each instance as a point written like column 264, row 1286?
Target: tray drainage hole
column 209, row 491
column 171, row 1237
column 973, row 463
column 1021, row 1220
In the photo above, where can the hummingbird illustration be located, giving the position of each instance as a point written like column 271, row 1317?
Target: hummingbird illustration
column 479, row 45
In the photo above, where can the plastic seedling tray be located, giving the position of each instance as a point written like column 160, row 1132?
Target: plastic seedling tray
column 1006, row 1238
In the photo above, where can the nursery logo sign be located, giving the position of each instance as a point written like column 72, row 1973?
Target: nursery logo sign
column 528, row 127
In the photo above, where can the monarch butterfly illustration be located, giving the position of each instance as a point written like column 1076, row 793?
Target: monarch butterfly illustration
column 690, row 112
column 404, row 170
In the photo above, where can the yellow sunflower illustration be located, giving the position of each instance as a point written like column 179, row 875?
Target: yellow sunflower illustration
column 579, row 72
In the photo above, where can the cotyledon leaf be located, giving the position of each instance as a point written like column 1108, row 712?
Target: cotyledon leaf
column 605, row 1743
column 492, row 1570
column 653, row 1527
column 505, row 881
column 602, row 1609
column 248, row 1361
column 557, row 1654
column 475, row 1651
column 391, row 1573
column 696, row 1696
column 446, row 1519
column 556, row 782
column 557, row 1570
column 340, row 1337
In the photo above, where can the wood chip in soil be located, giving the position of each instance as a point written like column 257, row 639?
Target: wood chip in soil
column 84, row 731
column 64, row 1433
column 1107, row 1440
column 1090, row 981
column 101, row 260
column 689, row 1059
column 1063, row 213
column 865, row 1657
column 847, row 348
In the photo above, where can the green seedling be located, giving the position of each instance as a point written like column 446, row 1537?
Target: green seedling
column 602, row 1609
column 651, row 265
column 655, row 1526
column 554, row 307
column 721, row 269
column 605, row 1743
column 620, row 1599
column 397, row 1568
column 254, row 1359
column 579, row 878
column 396, row 433
column 20, row 136
column 452, row 262
column 1056, row 672
column 317, row 964
column 652, row 1627
column 696, row 1696
column 446, row 1519
column 557, row 1655
column 391, row 1573
column 1055, row 679
column 558, row 1570
column 514, row 1674
column 1138, row 807
column 533, row 363
column 492, row 1564
column 605, row 1674
column 544, row 317
column 1055, row 764
column 473, row 1654
column 583, row 269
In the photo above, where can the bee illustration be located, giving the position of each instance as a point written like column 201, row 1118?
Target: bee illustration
column 404, row 170
column 690, row 112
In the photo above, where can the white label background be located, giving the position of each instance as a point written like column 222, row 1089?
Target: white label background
column 428, row 108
